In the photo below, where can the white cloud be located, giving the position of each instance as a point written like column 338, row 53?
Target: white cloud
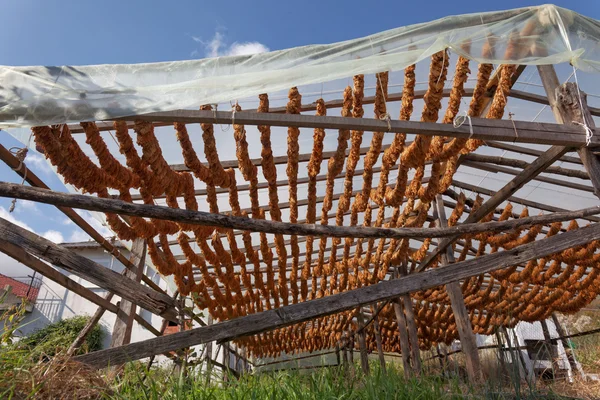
column 218, row 47
column 246, row 48
column 54, row 236
column 79, row 236
column 26, row 205
column 11, row 218
column 38, row 164
column 97, row 225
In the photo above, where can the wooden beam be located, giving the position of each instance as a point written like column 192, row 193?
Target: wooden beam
column 575, row 367
column 503, row 170
column 569, row 106
column 411, row 325
column 459, row 309
column 255, row 225
column 526, row 150
column 483, row 129
column 38, row 246
column 511, row 162
column 514, row 199
column 531, row 171
column 550, row 348
column 18, row 253
column 403, row 337
column 123, row 326
column 362, row 345
column 377, row 333
column 30, row 177
column 385, row 290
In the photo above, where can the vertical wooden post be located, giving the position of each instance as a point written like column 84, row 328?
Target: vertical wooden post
column 513, row 356
column 567, row 108
column 209, row 350
column 337, row 354
column 411, row 325
column 163, row 328
column 550, row 348
column 439, row 356
column 528, row 373
column 351, row 350
column 378, row 340
column 226, row 359
column 124, row 322
column 403, row 337
column 461, row 315
column 575, row 368
column 501, row 352
column 345, row 357
column 362, row 344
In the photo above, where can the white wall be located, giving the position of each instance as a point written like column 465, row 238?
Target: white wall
column 54, row 302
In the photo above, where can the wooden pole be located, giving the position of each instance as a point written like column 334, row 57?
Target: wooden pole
column 92, row 203
column 377, row 331
column 121, row 334
column 384, row 290
column 511, row 350
column 484, row 129
column 575, row 367
column 163, row 328
column 528, row 374
column 461, row 315
column 569, row 106
column 550, row 348
column 411, row 325
column 209, row 350
column 226, row 362
column 403, row 336
column 345, row 357
column 351, row 350
column 362, row 345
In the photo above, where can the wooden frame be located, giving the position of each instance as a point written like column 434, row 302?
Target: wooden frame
column 562, row 138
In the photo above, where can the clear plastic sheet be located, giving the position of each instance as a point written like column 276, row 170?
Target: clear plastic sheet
column 31, row 96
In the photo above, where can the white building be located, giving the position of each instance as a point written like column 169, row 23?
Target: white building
column 54, row 302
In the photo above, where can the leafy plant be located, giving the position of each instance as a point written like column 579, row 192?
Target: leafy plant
column 59, row 335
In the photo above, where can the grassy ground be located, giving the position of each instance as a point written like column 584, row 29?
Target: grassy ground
column 63, row 378
column 27, row 373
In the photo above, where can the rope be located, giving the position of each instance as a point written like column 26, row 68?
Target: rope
column 20, row 154
column 459, row 120
column 510, row 116
column 386, row 117
column 588, row 131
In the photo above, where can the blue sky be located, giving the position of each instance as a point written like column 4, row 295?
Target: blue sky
column 86, row 32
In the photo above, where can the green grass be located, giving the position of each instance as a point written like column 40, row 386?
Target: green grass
column 323, row 383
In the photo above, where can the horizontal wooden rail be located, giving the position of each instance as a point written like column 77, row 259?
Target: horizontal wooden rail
column 484, row 129
column 92, row 203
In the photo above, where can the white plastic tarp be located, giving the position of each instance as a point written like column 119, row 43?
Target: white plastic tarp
column 31, row 96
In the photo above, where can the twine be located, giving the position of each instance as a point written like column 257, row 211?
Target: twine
column 589, row 133
column 459, row 120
